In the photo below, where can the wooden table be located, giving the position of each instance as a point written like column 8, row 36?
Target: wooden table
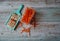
column 47, row 17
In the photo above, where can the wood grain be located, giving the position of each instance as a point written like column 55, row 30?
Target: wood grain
column 45, row 17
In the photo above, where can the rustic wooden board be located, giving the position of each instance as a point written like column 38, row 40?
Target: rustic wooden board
column 47, row 17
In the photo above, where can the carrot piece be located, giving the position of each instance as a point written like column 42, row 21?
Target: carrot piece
column 26, row 30
column 27, row 17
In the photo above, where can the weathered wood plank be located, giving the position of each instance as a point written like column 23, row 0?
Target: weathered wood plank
column 47, row 17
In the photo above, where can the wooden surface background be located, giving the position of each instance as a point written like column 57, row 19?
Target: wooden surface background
column 47, row 17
